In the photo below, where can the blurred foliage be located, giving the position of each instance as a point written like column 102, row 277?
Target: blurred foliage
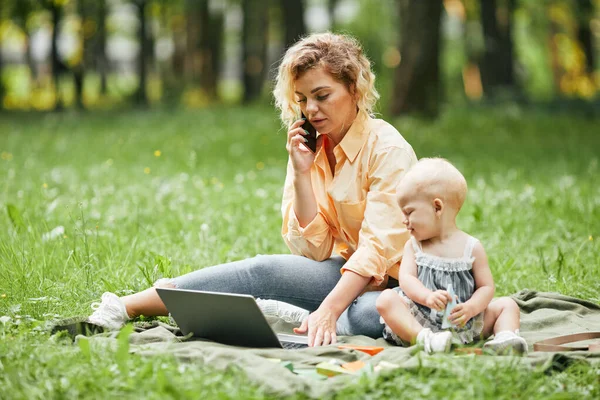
column 550, row 62
column 374, row 25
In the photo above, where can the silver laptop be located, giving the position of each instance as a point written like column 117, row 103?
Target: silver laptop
column 227, row 318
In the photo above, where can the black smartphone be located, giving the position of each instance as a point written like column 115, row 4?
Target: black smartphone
column 312, row 134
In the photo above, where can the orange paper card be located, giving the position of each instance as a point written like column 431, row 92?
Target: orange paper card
column 354, row 366
column 371, row 350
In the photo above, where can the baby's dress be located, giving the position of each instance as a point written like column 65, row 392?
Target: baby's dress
column 436, row 273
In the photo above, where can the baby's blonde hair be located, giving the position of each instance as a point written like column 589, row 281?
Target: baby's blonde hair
column 434, row 178
column 341, row 56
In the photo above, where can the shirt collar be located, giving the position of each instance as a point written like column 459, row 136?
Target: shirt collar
column 355, row 138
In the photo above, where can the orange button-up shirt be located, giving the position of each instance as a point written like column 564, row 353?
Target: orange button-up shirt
column 358, row 215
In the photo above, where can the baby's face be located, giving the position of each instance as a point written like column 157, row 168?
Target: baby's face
column 419, row 217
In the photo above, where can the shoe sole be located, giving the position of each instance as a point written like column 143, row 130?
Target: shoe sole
column 509, row 347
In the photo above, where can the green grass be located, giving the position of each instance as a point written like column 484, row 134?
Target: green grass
column 213, row 196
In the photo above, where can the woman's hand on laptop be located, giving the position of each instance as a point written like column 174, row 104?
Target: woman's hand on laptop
column 321, row 328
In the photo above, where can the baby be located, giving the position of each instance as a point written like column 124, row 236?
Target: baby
column 437, row 256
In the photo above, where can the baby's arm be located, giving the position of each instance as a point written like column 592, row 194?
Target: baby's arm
column 412, row 286
column 484, row 290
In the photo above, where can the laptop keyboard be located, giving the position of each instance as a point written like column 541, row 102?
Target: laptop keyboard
column 293, row 346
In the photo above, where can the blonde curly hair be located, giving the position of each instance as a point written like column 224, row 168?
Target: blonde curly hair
column 341, row 55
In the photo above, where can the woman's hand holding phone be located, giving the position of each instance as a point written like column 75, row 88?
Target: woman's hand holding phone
column 302, row 157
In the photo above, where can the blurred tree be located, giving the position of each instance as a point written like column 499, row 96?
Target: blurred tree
column 193, row 13
column 585, row 13
column 572, row 67
column 22, row 10
column 79, row 64
column 375, row 25
column 331, row 5
column 55, row 7
column 293, row 20
column 213, row 34
column 91, row 54
column 417, row 86
column 473, row 42
column 2, row 89
column 141, row 95
column 553, row 32
column 497, row 62
column 204, row 45
column 178, row 26
column 99, row 46
column 254, row 47
column 173, row 25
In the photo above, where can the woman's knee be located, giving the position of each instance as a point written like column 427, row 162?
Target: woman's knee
column 362, row 317
column 268, row 261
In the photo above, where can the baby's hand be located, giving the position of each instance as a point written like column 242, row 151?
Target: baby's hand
column 461, row 314
column 437, row 300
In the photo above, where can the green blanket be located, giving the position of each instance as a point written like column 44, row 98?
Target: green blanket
column 542, row 315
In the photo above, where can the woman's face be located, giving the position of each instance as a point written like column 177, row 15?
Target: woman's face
column 327, row 103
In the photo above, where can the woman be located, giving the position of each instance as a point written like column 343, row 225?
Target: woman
column 339, row 199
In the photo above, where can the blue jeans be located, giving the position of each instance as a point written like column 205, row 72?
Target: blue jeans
column 293, row 279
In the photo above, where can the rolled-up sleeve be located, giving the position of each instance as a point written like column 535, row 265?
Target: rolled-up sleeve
column 382, row 235
column 315, row 240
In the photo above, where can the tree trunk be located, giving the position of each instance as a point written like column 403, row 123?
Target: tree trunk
column 254, row 47
column 497, row 62
column 101, row 59
column 293, row 20
column 417, row 86
column 204, row 41
column 585, row 13
column 57, row 65
column 179, row 59
column 210, row 41
column 331, row 4
column 192, row 56
column 141, row 97
column 79, row 69
column 173, row 69
column 30, row 60
column 2, row 90
column 21, row 10
column 215, row 44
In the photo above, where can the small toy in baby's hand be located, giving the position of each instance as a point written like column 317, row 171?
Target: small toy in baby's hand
column 449, row 307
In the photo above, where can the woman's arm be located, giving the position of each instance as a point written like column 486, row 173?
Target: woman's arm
column 382, row 235
column 321, row 324
column 380, row 242
column 305, row 230
column 305, row 204
column 301, row 162
column 313, row 239
column 484, row 289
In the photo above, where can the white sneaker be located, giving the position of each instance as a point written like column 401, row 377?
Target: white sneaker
column 287, row 312
column 110, row 313
column 506, row 342
column 438, row 342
